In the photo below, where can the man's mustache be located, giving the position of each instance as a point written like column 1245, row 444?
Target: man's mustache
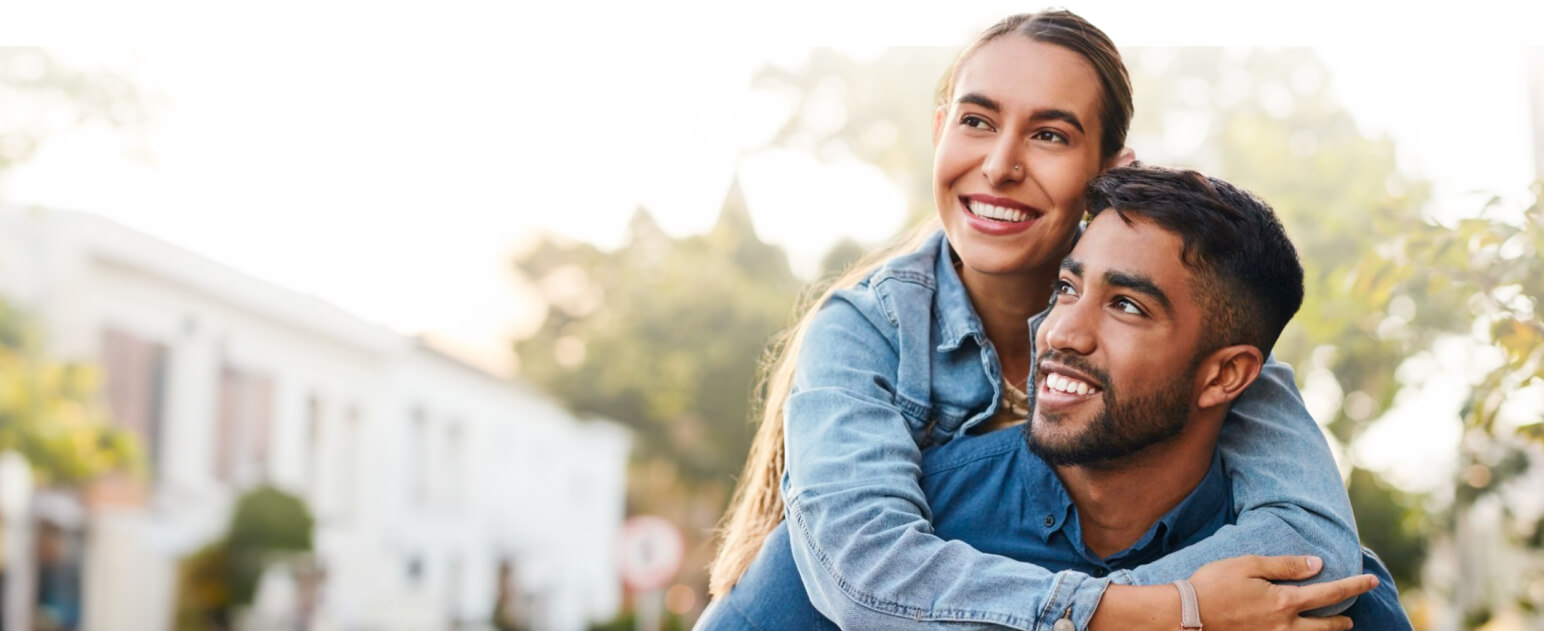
column 1075, row 363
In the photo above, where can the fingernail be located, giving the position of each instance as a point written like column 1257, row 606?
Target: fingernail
column 1314, row 563
column 1374, row 581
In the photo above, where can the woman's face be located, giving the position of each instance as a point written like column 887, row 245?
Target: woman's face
column 1013, row 150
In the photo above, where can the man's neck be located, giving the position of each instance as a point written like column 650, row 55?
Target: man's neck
column 1120, row 502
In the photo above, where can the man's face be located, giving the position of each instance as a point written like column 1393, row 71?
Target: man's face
column 1119, row 350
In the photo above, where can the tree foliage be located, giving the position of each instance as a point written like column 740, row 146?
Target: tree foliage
column 267, row 526
column 663, row 335
column 45, row 96
column 50, row 412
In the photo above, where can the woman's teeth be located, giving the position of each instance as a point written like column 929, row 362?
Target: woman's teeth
column 1070, row 386
column 982, row 209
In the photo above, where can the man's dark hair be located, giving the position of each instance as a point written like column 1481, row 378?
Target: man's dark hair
column 1249, row 279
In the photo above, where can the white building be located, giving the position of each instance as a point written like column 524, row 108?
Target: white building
column 423, row 473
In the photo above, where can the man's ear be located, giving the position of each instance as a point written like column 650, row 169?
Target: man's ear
column 938, row 123
column 1226, row 372
column 1124, row 157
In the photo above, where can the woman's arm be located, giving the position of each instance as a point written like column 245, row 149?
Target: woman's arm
column 858, row 521
column 1286, row 490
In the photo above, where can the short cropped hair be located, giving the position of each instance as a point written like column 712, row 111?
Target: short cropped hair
column 1248, row 276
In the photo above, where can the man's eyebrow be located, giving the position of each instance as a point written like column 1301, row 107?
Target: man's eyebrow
column 1060, row 115
column 979, row 100
column 1140, row 284
column 1072, row 266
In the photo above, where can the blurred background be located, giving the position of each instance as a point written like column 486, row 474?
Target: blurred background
column 368, row 316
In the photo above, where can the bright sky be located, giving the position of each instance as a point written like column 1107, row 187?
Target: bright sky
column 387, row 156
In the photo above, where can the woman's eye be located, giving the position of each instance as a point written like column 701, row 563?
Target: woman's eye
column 1127, row 306
column 1048, row 135
column 1064, row 288
column 971, row 120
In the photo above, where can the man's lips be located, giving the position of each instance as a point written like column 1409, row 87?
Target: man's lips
column 1060, row 378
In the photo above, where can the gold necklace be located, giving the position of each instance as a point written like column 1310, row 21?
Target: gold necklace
column 1015, row 400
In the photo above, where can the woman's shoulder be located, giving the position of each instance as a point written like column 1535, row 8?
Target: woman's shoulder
column 894, row 288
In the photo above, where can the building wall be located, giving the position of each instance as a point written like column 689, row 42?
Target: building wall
column 423, row 472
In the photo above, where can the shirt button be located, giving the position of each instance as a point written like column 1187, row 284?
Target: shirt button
column 1099, row 572
column 1064, row 624
column 1049, row 520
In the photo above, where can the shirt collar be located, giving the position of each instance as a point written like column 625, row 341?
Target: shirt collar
column 1210, row 499
column 957, row 320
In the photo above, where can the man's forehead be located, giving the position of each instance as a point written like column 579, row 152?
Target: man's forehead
column 1111, row 244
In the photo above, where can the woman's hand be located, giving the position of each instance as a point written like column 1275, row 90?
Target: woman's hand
column 1235, row 595
column 1238, row 593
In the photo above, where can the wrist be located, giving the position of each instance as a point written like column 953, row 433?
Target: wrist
column 1136, row 608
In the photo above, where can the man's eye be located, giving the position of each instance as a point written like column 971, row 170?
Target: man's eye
column 1064, row 288
column 1127, row 306
column 1049, row 135
column 971, row 120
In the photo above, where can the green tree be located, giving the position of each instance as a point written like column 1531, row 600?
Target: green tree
column 50, row 412
column 1491, row 266
column 267, row 526
column 662, row 334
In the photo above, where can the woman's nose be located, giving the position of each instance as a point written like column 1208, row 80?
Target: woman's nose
column 1005, row 162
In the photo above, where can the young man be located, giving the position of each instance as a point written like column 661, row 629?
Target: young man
column 1164, row 314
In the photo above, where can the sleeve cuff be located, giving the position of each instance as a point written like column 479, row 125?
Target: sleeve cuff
column 1076, row 597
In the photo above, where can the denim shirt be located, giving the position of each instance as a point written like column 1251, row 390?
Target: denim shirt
column 1028, row 516
column 900, row 362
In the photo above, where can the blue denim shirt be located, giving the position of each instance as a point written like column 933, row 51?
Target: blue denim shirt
column 1028, row 516
column 900, row 362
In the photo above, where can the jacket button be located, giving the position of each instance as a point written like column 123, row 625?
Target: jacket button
column 1049, row 520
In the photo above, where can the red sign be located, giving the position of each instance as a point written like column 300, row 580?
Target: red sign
column 651, row 550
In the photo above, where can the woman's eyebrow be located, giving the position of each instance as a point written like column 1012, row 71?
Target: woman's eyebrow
column 1058, row 114
column 980, row 100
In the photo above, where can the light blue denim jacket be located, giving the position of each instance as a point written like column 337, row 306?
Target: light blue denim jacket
column 900, row 362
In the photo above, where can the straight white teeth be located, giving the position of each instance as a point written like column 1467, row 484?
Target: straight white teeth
column 999, row 213
column 1070, row 386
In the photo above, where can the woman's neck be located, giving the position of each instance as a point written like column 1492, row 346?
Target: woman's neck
column 1005, row 303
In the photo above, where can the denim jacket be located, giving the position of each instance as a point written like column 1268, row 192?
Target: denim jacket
column 900, row 362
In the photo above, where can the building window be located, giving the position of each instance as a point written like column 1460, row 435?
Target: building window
column 418, row 458
column 347, row 472
column 453, row 468
column 243, row 426
column 314, row 449
column 136, row 388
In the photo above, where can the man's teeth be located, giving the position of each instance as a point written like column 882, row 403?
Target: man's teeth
column 999, row 213
column 1070, row 386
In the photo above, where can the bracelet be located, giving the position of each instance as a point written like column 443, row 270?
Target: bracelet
column 1189, row 609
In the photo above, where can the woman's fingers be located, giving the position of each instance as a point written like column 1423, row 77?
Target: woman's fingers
column 1306, row 597
column 1332, row 623
column 1287, row 568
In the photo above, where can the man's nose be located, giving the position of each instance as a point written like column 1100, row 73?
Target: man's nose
column 1069, row 329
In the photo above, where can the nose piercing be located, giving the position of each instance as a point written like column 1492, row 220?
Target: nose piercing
column 1015, row 168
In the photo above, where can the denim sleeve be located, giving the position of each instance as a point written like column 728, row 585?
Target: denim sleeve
column 1286, row 490
column 858, row 521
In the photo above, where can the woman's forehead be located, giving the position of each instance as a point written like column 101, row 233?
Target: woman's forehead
column 1020, row 73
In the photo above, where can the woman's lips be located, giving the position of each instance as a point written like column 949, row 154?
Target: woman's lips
column 996, row 215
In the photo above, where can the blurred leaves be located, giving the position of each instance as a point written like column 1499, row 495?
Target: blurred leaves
column 45, row 96
column 51, row 414
column 215, row 582
column 663, row 335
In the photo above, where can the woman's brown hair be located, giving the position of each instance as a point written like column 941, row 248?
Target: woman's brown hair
column 757, row 504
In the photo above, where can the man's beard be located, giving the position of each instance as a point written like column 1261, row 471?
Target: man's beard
column 1122, row 428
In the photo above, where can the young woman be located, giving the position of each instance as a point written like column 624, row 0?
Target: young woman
column 928, row 341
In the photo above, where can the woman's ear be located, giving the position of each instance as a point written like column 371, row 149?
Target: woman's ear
column 1124, row 157
column 1226, row 373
